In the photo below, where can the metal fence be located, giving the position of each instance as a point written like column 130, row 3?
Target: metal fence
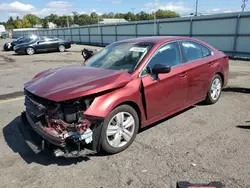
column 227, row 32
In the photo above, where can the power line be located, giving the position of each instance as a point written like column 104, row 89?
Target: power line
column 244, row 4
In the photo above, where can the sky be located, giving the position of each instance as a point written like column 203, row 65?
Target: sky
column 43, row 8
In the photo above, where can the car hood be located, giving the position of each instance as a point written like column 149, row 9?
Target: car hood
column 70, row 82
column 20, row 45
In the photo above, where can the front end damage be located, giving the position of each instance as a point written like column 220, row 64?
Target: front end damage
column 60, row 127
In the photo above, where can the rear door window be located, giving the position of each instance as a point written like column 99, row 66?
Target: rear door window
column 205, row 51
column 192, row 51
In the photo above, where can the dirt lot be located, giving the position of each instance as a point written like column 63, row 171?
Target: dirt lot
column 201, row 144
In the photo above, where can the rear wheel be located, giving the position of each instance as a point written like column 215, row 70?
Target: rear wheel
column 30, row 51
column 119, row 129
column 61, row 48
column 214, row 91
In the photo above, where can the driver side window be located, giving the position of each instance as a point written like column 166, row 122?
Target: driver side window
column 169, row 55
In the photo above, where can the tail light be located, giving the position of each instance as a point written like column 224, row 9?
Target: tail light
column 227, row 58
column 68, row 41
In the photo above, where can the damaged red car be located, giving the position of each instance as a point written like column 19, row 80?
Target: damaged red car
column 130, row 84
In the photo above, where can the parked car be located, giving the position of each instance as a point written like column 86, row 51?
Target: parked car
column 10, row 45
column 129, row 85
column 41, row 44
column 88, row 53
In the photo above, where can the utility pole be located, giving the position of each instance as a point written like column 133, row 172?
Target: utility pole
column 244, row 4
column 133, row 10
column 154, row 22
column 196, row 8
column 67, row 21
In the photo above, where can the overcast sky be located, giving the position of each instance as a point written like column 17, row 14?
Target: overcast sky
column 45, row 7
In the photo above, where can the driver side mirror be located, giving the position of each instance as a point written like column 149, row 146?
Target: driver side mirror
column 160, row 69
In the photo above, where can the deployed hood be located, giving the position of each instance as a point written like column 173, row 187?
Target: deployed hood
column 75, row 81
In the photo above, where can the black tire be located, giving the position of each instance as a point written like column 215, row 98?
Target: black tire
column 209, row 100
column 106, row 147
column 61, row 48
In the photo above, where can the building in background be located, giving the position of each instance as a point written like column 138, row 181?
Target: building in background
column 52, row 25
column 38, row 26
column 112, row 21
column 2, row 29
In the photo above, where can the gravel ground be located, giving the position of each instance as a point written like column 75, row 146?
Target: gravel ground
column 200, row 144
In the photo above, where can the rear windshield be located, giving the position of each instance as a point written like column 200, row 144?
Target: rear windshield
column 120, row 56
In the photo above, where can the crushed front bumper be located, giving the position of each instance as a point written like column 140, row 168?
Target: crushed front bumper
column 41, row 141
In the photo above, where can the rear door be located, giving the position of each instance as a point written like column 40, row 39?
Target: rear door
column 167, row 93
column 199, row 62
column 53, row 43
column 41, row 44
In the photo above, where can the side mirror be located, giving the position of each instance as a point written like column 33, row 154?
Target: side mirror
column 160, row 69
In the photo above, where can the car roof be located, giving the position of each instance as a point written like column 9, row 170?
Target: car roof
column 156, row 39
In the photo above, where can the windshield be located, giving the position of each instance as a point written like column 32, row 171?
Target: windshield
column 19, row 38
column 25, row 40
column 120, row 56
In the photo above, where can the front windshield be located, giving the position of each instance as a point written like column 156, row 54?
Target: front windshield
column 120, row 56
column 25, row 40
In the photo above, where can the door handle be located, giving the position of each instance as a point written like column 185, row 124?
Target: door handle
column 183, row 75
column 211, row 64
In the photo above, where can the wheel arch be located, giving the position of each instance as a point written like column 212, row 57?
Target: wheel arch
column 134, row 106
column 222, row 77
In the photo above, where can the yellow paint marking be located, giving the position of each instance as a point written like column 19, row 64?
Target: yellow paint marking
column 11, row 100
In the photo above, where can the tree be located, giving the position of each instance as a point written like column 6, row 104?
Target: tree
column 18, row 24
column 45, row 23
column 111, row 15
column 26, row 23
column 33, row 19
column 53, row 18
column 76, row 17
column 130, row 16
column 10, row 23
column 94, row 15
column 143, row 16
column 160, row 14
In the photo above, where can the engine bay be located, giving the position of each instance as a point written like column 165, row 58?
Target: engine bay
column 64, row 120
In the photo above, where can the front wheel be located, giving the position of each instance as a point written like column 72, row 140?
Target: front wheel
column 30, row 51
column 119, row 129
column 214, row 91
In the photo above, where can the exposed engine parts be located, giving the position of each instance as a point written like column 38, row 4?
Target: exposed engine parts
column 64, row 120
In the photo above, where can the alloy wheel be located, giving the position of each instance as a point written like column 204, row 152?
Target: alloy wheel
column 61, row 48
column 30, row 51
column 215, row 89
column 120, row 129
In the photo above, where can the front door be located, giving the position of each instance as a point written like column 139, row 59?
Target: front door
column 167, row 93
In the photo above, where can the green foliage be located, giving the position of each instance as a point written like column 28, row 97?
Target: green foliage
column 26, row 23
column 10, row 23
column 33, row 19
column 18, row 24
column 160, row 14
column 44, row 22
column 30, row 20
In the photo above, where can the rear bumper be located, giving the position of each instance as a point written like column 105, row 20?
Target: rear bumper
column 67, row 46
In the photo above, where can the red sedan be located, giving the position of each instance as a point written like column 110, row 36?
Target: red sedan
column 128, row 85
